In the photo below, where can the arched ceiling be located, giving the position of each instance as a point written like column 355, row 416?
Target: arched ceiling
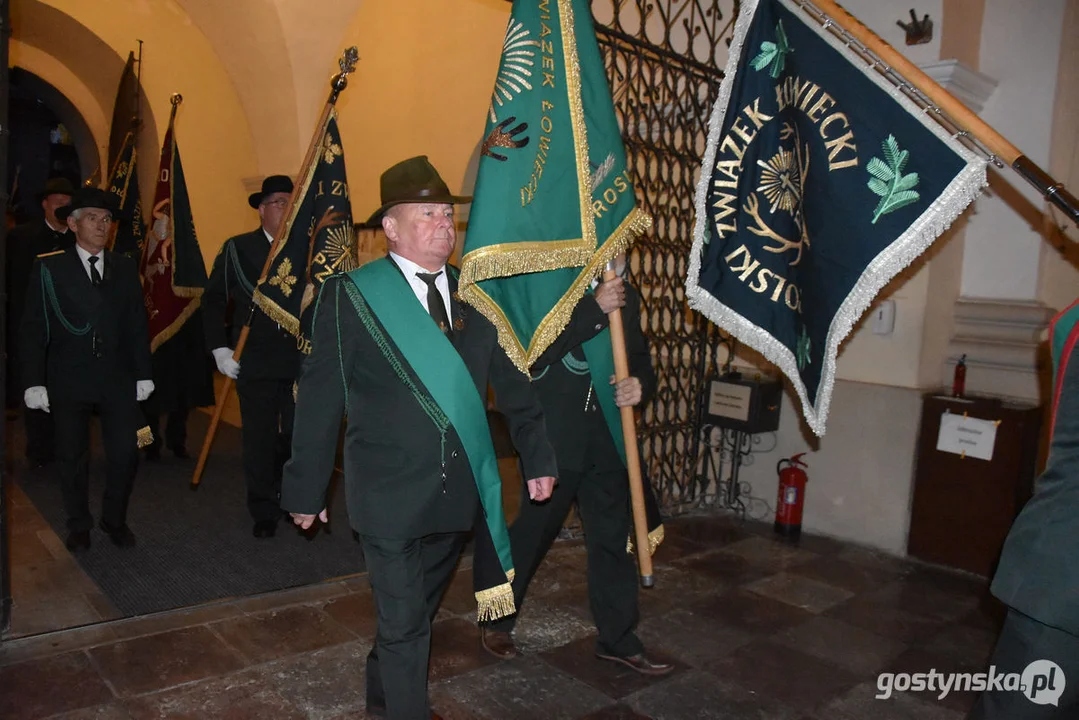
column 92, row 63
column 279, row 54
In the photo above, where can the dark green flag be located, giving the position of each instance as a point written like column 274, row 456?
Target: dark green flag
column 123, row 185
column 820, row 182
column 319, row 241
column 553, row 193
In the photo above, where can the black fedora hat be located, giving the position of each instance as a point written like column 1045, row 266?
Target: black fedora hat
column 412, row 181
column 272, row 184
column 87, row 197
column 56, row 186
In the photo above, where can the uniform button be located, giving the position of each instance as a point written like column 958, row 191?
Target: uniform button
column 599, row 326
column 453, row 454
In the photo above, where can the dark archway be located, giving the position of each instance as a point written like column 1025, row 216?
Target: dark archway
column 37, row 111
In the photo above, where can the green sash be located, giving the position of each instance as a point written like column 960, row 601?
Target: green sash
column 600, row 358
column 440, row 368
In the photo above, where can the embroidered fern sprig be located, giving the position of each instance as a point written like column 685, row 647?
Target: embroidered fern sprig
column 896, row 190
column 773, row 53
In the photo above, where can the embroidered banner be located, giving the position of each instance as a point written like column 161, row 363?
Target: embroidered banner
column 820, row 183
column 123, row 185
column 172, row 269
column 319, row 239
column 552, row 191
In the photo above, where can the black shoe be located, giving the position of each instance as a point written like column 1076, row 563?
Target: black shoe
column 265, row 529
column 181, row 452
column 78, row 539
column 120, row 536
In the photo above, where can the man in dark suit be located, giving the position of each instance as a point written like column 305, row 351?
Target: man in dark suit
column 1038, row 574
column 84, row 345
column 592, row 472
column 25, row 243
column 271, row 359
column 409, row 366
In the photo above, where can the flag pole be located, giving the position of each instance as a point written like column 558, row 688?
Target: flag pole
column 633, row 457
column 338, row 83
column 1052, row 190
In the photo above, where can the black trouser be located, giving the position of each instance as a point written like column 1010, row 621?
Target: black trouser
column 175, row 428
column 602, row 494
column 408, row 578
column 40, row 436
column 1022, row 641
column 266, row 411
column 119, row 427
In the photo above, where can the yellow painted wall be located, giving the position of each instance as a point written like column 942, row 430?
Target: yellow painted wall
column 213, row 131
column 421, row 88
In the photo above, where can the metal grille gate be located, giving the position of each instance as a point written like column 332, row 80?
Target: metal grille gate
column 664, row 60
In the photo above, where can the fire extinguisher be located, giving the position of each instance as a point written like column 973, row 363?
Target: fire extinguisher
column 791, row 497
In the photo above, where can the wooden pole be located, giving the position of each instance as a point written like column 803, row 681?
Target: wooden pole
column 633, row 458
column 996, row 143
column 338, row 83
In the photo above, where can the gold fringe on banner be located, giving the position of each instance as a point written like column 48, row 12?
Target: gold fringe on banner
column 654, row 539
column 635, row 224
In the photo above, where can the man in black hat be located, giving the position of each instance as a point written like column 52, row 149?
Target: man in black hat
column 408, row 364
column 271, row 359
column 84, row 346
column 26, row 242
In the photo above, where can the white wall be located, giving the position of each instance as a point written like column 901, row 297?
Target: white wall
column 1020, row 48
column 860, row 474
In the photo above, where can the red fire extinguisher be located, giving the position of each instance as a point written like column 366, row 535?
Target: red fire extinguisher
column 791, row 497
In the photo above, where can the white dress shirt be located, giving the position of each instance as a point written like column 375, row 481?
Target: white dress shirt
column 85, row 257
column 268, row 235
column 419, row 287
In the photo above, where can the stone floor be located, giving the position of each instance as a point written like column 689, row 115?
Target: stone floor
column 756, row 628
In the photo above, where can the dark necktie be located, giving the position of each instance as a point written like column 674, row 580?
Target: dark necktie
column 435, row 305
column 95, row 276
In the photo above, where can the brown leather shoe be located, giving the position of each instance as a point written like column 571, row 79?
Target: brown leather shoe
column 640, row 663
column 498, row 643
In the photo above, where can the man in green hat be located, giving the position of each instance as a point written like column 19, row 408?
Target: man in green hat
column 409, row 365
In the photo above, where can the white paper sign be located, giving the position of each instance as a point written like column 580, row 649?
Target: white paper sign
column 966, row 435
column 729, row 400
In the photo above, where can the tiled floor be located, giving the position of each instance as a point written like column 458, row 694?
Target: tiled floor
column 49, row 590
column 757, row 629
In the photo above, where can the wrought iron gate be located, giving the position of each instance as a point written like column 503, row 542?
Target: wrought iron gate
column 664, row 60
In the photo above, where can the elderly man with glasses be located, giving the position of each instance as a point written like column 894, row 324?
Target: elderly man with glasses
column 84, row 346
column 271, row 360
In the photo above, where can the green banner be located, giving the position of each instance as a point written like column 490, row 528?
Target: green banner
column 319, row 241
column 554, row 201
column 123, row 185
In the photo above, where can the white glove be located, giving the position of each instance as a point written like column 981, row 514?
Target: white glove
column 36, row 398
column 225, row 364
column 143, row 389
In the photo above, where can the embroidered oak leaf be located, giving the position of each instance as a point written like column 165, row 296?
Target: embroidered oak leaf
column 896, row 190
column 283, row 277
column 773, row 55
column 803, row 349
column 330, row 150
